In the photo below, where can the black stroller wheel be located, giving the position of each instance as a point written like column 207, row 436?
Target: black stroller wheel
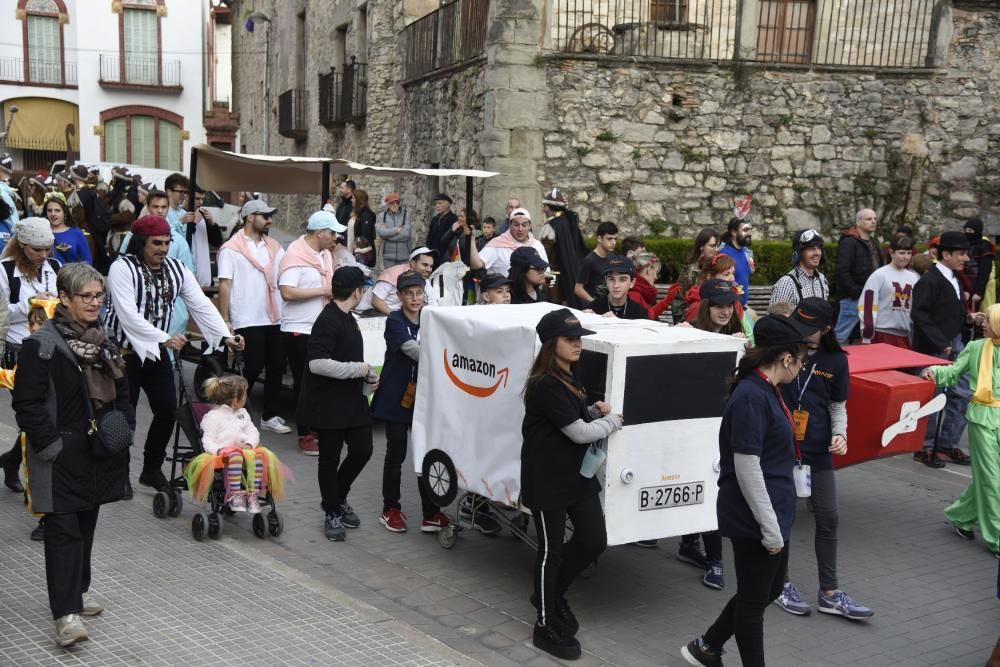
column 176, row 503
column 275, row 524
column 160, row 503
column 215, row 525
column 259, row 526
column 440, row 477
column 199, row 525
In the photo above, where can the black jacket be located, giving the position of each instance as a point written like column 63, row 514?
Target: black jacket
column 48, row 404
column 854, row 264
column 435, row 232
column 344, row 209
column 937, row 313
column 364, row 225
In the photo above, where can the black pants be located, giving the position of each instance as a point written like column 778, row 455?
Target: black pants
column 69, row 539
column 295, row 347
column 156, row 378
column 713, row 543
column 824, row 507
column 557, row 564
column 392, row 471
column 760, row 577
column 264, row 351
column 11, row 459
column 335, row 478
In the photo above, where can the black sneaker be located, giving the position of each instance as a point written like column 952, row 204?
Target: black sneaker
column 928, row 458
column 38, row 534
column 691, row 553
column 348, row 517
column 476, row 511
column 334, row 529
column 697, row 653
column 965, row 534
column 154, row 477
column 12, row 479
column 565, row 620
column 552, row 642
column 129, row 493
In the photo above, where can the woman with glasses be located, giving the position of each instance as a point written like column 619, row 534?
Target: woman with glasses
column 28, row 273
column 756, row 504
column 70, row 243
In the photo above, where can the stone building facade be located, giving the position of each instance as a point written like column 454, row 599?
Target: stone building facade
column 637, row 132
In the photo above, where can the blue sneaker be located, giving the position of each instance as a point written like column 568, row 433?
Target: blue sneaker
column 841, row 604
column 713, row 576
column 791, row 601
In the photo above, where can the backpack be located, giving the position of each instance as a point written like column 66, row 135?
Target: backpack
column 14, row 284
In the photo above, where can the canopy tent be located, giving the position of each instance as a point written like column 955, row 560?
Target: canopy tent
column 41, row 123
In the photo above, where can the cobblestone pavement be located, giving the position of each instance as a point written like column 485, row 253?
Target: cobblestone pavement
column 382, row 598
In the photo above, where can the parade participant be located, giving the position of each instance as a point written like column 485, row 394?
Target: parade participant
column 69, row 245
column 979, row 270
column 454, row 243
column 28, row 273
column 177, row 188
column 736, row 244
column 939, row 317
column 384, row 297
column 717, row 310
column 706, row 247
column 721, row 267
column 805, row 279
column 512, row 205
column 564, row 246
column 304, row 276
column 887, row 297
column 630, row 246
column 144, row 286
column 334, row 401
column 558, row 428
column 495, row 289
column 250, row 304
column 70, row 482
column 818, row 399
column 590, row 279
column 618, row 280
column 8, row 210
column 345, row 207
column 232, row 443
column 495, row 256
column 442, row 221
column 201, row 233
column 979, row 504
column 527, row 275
column 756, row 502
column 91, row 211
column 362, row 227
column 393, row 404
column 858, row 255
column 395, row 231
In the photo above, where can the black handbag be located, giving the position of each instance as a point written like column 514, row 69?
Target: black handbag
column 110, row 434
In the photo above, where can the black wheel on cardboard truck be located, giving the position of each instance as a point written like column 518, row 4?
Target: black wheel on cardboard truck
column 440, row 477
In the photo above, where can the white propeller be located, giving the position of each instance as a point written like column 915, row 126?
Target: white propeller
column 910, row 414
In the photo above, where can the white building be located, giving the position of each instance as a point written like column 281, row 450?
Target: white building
column 128, row 81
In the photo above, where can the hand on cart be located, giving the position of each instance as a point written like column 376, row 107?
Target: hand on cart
column 176, row 343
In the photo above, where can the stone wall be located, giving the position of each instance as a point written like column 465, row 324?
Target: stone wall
column 664, row 149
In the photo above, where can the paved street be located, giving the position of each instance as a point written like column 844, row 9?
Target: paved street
column 383, row 598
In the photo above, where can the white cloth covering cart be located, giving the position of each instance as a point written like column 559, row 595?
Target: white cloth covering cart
column 660, row 478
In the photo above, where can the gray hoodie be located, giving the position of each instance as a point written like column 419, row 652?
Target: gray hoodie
column 395, row 230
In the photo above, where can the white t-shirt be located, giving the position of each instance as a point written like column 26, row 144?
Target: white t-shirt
column 497, row 260
column 387, row 292
column 247, row 296
column 298, row 316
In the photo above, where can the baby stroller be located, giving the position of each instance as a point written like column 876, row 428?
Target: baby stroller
column 209, row 520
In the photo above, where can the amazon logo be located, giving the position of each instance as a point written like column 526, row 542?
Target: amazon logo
column 477, row 366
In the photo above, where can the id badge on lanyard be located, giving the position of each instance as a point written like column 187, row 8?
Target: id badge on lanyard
column 802, row 473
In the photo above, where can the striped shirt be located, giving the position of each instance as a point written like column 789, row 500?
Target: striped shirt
column 797, row 285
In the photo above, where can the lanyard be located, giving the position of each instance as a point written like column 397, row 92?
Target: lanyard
column 802, row 387
column 784, row 408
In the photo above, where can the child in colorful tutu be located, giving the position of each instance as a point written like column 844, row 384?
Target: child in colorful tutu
column 232, row 444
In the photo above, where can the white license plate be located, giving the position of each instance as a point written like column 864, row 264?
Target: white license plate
column 671, row 495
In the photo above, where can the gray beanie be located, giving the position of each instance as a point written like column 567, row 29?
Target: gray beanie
column 36, row 232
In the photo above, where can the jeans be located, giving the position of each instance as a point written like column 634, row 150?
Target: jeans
column 69, row 539
column 264, row 352
column 760, row 577
column 335, row 478
column 824, row 507
column 296, row 346
column 953, row 415
column 557, row 564
column 392, row 471
column 156, row 378
column 847, row 320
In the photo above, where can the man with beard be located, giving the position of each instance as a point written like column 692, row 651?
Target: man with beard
column 345, row 207
column 858, row 255
column 736, row 243
column 564, row 245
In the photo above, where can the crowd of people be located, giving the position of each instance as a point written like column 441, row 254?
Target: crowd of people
column 108, row 310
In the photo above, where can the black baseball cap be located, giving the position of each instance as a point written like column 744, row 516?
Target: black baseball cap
column 953, row 241
column 777, row 330
column 348, row 276
column 813, row 313
column 494, row 280
column 717, row 291
column 619, row 264
column 560, row 322
column 410, row 278
column 528, row 255
column 442, row 197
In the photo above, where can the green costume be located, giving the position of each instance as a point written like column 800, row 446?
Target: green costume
column 980, row 502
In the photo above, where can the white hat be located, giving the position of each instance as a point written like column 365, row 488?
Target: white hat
column 35, row 232
column 520, row 212
column 422, row 250
column 324, row 220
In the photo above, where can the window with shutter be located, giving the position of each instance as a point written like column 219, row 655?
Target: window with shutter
column 668, row 11
column 170, row 146
column 43, row 49
column 151, row 138
column 785, row 31
column 143, row 141
column 140, row 46
column 114, row 141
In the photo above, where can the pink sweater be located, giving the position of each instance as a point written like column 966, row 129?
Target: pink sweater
column 224, row 427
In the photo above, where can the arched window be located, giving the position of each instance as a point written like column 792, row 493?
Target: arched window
column 143, row 136
column 42, row 37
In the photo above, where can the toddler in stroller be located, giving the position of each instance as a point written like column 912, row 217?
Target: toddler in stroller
column 231, row 443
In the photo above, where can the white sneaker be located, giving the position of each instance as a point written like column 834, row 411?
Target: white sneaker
column 70, row 630
column 275, row 424
column 238, row 502
column 253, row 507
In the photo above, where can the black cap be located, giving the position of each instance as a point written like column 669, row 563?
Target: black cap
column 813, row 313
column 560, row 322
column 953, row 241
column 619, row 264
column 410, row 278
column 526, row 255
column 717, row 291
column 348, row 276
column 777, row 330
column 442, row 197
column 494, row 280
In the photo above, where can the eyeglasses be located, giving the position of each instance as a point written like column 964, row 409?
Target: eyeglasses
column 96, row 297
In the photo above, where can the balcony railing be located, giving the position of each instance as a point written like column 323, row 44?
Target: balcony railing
column 452, row 34
column 292, row 114
column 131, row 71
column 38, row 72
column 343, row 96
